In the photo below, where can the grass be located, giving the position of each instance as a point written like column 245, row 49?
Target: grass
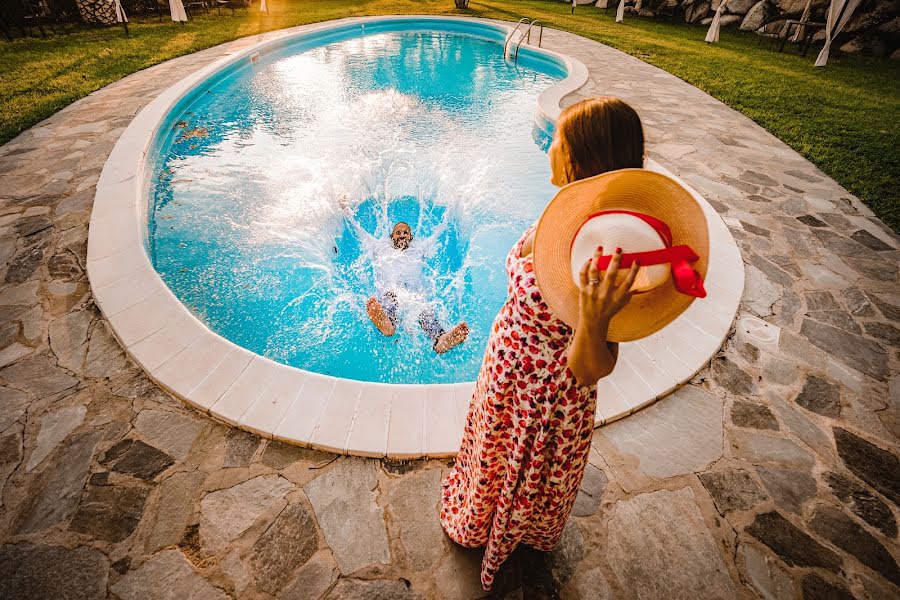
column 845, row 118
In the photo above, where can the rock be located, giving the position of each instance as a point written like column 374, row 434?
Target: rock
column 30, row 572
column 866, row 506
column 761, row 448
column 377, row 589
column 861, row 354
column 53, row 496
column 105, row 359
column 288, row 543
column 820, row 397
column 13, row 404
column 174, row 509
column 179, row 578
column 869, row 241
column 313, row 578
column 816, row 588
column 25, row 263
column 880, row 270
column 240, row 446
column 568, row 553
column 766, row 575
column 811, row 221
column 888, row 305
column 803, row 428
column 592, row 584
column 753, row 415
column 836, row 318
column 789, row 489
column 756, row 16
column 279, row 455
column 110, row 512
column 65, row 295
column 413, row 502
column 13, row 352
column 353, row 524
column 20, row 295
column 70, row 332
column 696, row 11
column 226, row 514
column 820, row 300
column 64, row 266
column 844, row 533
column 738, row 7
column 593, row 484
column 879, row 468
column 233, row 567
column 732, row 490
column 885, row 332
column 680, row 434
column 55, row 427
column 38, row 376
column 731, row 377
column 459, row 574
column 645, row 564
column 857, row 302
column 795, row 547
column 760, row 293
column 134, row 457
column 172, row 432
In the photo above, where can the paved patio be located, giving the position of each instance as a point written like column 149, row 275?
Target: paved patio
column 774, row 474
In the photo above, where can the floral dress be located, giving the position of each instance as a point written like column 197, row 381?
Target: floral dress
column 527, row 435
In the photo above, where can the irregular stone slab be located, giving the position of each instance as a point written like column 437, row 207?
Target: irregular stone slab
column 110, row 512
column 105, row 358
column 564, row 559
column 816, row 588
column 680, row 434
column 593, row 584
column 591, row 492
column 226, row 514
column 788, row 488
column 753, row 415
column 55, row 427
column 820, row 300
column 877, row 467
column 234, row 568
column 645, row 564
column 844, row 533
column 795, row 547
column 29, row 572
column 377, row 589
column 866, row 506
column 413, row 502
column 172, row 432
column 38, row 376
column 13, row 404
column 20, row 295
column 68, row 338
column 885, row 332
column 821, row 397
column 731, row 377
column 279, row 455
column 240, row 446
column 173, row 509
column 861, row 354
column 353, row 524
column 760, row 293
column 313, row 578
column 170, row 576
column 14, row 352
column 134, row 457
column 732, row 490
column 288, row 543
column 810, row 433
column 761, row 448
column 767, row 577
column 53, row 496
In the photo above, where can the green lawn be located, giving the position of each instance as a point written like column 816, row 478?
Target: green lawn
column 845, row 118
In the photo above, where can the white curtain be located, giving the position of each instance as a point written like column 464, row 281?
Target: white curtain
column 840, row 9
column 803, row 18
column 262, row 6
column 713, row 34
column 620, row 12
column 120, row 12
column 177, row 10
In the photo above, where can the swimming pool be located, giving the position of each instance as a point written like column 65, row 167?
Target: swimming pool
column 275, row 185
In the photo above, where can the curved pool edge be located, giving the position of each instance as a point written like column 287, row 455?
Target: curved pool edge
column 371, row 419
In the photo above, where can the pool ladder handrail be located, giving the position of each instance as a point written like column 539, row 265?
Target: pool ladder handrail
column 525, row 36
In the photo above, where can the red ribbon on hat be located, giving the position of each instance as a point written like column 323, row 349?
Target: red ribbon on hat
column 686, row 279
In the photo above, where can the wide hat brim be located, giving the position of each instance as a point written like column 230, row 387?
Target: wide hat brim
column 636, row 190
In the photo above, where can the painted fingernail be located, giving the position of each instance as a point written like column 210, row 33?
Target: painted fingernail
column 618, row 251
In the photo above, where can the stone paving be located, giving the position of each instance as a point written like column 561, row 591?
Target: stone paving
column 773, row 474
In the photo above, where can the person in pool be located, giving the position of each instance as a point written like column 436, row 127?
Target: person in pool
column 401, row 268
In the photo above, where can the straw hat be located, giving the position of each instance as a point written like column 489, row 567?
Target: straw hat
column 652, row 218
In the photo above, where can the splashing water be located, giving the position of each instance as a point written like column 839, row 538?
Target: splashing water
column 276, row 192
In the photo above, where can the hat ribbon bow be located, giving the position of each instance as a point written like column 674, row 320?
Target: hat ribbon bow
column 686, row 279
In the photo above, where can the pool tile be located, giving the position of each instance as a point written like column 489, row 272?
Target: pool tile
column 300, row 420
column 369, row 432
column 405, row 433
column 462, row 397
column 250, row 385
column 157, row 348
column 443, row 431
column 333, row 427
column 662, row 355
column 611, row 403
column 656, row 378
column 106, row 270
column 634, row 389
column 128, row 291
column 264, row 415
column 220, row 379
column 144, row 318
column 184, row 371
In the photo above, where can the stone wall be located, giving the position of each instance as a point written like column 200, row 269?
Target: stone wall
column 873, row 30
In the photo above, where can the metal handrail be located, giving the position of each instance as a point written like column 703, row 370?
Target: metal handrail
column 528, row 35
column 510, row 36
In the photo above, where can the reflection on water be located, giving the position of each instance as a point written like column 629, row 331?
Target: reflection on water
column 271, row 226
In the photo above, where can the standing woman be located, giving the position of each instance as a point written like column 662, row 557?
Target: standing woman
column 529, row 426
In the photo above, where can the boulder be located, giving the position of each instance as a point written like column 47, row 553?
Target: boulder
column 739, row 7
column 696, row 12
column 756, row 16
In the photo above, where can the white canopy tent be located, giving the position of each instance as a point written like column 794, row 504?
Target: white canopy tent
column 839, row 13
column 177, row 10
column 620, row 12
column 713, row 34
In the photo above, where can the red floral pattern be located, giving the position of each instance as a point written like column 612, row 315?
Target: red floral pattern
column 527, row 435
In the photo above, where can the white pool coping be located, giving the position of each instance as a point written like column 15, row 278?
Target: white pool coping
column 289, row 404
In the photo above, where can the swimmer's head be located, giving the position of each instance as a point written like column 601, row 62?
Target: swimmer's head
column 401, row 236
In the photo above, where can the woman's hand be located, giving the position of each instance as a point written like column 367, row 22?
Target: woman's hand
column 600, row 297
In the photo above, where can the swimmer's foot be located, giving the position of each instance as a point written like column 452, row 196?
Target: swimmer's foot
column 379, row 317
column 452, row 338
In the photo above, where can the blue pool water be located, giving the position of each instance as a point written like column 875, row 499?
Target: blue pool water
column 276, row 184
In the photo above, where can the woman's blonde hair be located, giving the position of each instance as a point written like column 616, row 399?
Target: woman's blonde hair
column 599, row 135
